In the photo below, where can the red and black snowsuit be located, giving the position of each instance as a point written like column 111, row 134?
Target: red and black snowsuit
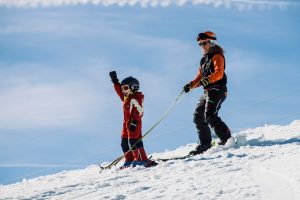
column 132, row 125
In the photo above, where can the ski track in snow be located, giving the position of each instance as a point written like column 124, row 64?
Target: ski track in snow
column 278, row 178
column 265, row 164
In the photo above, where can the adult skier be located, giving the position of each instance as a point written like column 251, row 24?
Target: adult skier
column 211, row 75
column 133, row 111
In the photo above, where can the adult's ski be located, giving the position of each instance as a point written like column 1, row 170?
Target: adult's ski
column 213, row 143
column 174, row 158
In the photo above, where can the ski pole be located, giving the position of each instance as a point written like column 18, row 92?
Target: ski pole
column 117, row 160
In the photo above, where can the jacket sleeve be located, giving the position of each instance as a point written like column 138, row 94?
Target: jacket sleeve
column 136, row 109
column 196, row 82
column 218, row 61
column 118, row 90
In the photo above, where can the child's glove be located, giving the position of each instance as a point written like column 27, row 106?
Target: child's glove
column 133, row 125
column 113, row 76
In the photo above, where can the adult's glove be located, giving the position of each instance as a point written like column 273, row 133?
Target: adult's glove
column 113, row 76
column 187, row 87
column 205, row 81
column 133, row 125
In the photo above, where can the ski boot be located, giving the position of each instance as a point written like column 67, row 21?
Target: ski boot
column 150, row 163
column 126, row 164
column 223, row 141
column 139, row 163
column 200, row 149
column 144, row 163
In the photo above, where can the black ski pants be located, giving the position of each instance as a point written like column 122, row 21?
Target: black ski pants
column 206, row 114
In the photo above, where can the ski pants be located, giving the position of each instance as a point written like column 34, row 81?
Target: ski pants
column 206, row 114
column 128, row 141
column 137, row 153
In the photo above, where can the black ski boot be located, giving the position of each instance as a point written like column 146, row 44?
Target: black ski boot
column 224, row 139
column 222, row 142
column 223, row 132
column 150, row 163
column 200, row 149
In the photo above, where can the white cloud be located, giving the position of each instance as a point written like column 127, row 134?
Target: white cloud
column 34, row 98
column 239, row 4
column 43, row 104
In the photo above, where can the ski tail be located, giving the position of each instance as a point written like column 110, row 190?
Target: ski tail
column 113, row 163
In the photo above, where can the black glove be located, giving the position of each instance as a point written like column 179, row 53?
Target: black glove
column 133, row 125
column 205, row 81
column 187, row 87
column 113, row 76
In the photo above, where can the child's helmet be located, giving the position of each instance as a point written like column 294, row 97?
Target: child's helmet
column 133, row 83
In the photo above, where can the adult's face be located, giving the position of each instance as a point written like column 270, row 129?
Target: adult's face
column 205, row 45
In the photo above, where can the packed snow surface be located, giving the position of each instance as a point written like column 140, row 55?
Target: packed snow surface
column 264, row 163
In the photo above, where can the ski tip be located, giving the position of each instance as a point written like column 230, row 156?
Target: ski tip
column 101, row 168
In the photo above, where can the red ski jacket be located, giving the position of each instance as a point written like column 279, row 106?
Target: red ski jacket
column 133, row 110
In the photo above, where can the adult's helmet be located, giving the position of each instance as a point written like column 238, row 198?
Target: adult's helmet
column 206, row 35
column 133, row 83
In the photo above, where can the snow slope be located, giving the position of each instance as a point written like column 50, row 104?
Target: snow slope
column 265, row 164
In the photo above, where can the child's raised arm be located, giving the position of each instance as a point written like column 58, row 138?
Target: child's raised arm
column 117, row 85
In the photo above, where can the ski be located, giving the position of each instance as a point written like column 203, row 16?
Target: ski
column 213, row 143
column 109, row 166
column 174, row 158
column 151, row 163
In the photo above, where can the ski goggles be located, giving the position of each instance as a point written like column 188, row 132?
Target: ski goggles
column 125, row 87
column 203, row 43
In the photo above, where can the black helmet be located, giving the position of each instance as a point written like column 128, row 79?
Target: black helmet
column 133, row 83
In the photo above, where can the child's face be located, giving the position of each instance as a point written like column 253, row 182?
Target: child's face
column 126, row 90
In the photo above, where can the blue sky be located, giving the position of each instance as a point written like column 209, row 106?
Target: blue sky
column 57, row 104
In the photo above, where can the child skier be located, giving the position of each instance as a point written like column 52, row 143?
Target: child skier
column 132, row 123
